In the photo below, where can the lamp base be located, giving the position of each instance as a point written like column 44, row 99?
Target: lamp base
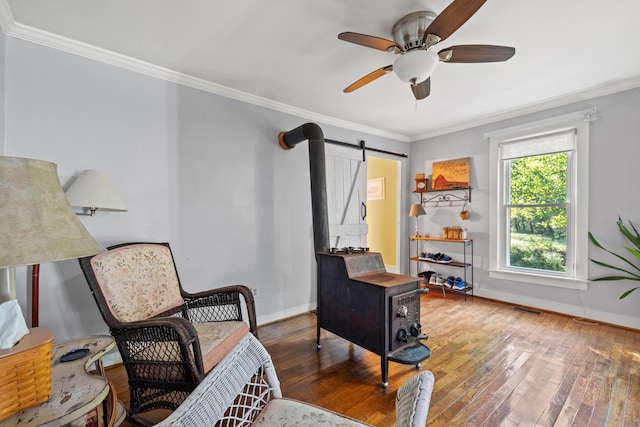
column 7, row 284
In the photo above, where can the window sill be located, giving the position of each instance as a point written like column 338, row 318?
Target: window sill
column 540, row 279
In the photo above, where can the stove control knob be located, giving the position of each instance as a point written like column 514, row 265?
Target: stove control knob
column 402, row 311
column 401, row 335
column 414, row 329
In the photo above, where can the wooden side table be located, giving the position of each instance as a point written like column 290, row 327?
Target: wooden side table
column 74, row 391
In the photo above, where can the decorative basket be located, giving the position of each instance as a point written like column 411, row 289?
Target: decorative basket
column 453, row 233
column 25, row 372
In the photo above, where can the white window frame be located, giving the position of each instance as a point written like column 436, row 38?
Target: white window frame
column 577, row 236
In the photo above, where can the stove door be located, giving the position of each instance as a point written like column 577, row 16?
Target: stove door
column 404, row 321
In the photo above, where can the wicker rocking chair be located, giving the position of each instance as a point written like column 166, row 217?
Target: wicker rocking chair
column 168, row 339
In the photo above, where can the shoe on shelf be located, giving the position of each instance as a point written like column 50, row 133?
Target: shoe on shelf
column 449, row 282
column 459, row 284
column 443, row 258
column 433, row 280
column 439, row 280
column 426, row 275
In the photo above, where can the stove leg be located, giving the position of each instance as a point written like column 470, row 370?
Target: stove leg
column 384, row 367
column 318, row 346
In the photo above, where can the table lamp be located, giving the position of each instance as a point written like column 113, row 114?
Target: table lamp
column 37, row 223
column 417, row 210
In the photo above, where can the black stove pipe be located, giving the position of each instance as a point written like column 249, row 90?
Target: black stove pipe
column 317, row 169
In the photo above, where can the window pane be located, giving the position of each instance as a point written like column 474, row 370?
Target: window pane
column 539, row 179
column 538, row 238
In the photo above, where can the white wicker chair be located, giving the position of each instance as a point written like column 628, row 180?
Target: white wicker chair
column 243, row 390
column 233, row 393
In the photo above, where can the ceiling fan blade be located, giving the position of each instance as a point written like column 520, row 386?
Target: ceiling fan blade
column 371, row 41
column 422, row 90
column 368, row 78
column 452, row 18
column 476, row 53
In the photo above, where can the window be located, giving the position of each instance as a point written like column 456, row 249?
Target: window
column 539, row 200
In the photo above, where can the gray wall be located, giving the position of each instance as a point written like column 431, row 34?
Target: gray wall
column 205, row 173
column 199, row 170
column 614, row 153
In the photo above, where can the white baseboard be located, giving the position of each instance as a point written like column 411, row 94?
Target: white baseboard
column 568, row 309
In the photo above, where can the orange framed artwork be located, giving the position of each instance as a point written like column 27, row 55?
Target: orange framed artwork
column 450, row 174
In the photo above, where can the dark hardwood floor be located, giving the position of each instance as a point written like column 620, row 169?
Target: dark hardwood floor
column 494, row 366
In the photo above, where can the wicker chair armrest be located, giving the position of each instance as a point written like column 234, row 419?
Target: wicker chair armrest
column 168, row 329
column 226, row 290
column 220, row 297
column 182, row 327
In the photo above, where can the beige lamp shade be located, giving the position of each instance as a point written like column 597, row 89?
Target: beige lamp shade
column 94, row 190
column 417, row 210
column 37, row 223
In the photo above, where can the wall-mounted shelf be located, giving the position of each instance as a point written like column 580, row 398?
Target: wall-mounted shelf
column 447, row 196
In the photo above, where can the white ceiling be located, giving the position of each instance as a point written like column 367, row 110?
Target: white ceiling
column 285, row 54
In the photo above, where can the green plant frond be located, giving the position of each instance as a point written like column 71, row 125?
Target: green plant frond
column 627, row 293
column 635, row 239
column 634, row 229
column 633, row 251
column 595, row 242
column 620, row 257
column 613, row 267
column 613, row 278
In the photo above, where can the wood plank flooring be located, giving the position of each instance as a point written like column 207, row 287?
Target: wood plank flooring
column 494, row 366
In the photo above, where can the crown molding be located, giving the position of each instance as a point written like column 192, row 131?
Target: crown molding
column 23, row 32
column 595, row 92
column 14, row 29
column 6, row 16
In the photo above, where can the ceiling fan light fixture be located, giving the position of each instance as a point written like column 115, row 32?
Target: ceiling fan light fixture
column 416, row 66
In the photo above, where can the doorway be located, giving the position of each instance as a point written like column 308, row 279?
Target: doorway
column 383, row 209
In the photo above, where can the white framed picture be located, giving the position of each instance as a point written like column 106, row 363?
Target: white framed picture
column 375, row 189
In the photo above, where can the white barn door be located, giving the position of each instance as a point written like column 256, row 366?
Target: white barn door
column 346, row 196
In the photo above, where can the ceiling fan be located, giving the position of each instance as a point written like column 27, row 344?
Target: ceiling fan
column 414, row 35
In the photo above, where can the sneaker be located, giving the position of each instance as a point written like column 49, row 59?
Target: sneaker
column 426, row 274
column 439, row 280
column 449, row 282
column 433, row 280
column 444, row 259
column 459, row 284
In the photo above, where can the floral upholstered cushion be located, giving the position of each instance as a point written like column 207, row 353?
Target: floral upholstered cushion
column 217, row 339
column 138, row 281
column 293, row 413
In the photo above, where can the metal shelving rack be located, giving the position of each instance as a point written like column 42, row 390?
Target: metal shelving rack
column 466, row 264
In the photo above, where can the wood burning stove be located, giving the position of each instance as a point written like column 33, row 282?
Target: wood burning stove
column 362, row 303
column 357, row 299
